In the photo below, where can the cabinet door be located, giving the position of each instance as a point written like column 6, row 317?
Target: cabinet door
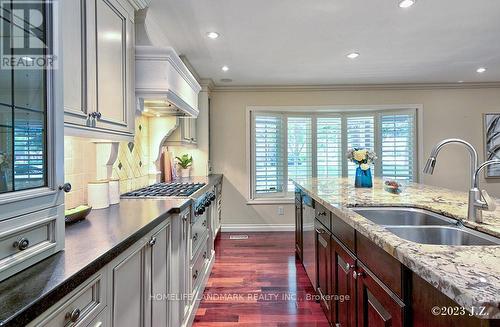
column 160, row 277
column 377, row 305
column 113, row 34
column 323, row 266
column 129, row 284
column 343, row 304
column 188, row 130
column 74, row 64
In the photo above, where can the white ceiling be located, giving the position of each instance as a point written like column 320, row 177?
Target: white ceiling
column 305, row 42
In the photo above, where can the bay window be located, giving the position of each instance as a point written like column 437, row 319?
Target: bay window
column 288, row 145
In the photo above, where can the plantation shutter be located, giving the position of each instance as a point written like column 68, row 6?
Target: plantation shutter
column 29, row 150
column 268, row 154
column 398, row 146
column 360, row 135
column 299, row 135
column 329, row 146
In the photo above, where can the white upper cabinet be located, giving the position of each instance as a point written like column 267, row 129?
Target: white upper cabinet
column 98, row 43
column 31, row 150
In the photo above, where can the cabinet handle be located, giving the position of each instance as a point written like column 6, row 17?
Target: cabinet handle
column 66, row 187
column 320, row 231
column 322, row 214
column 195, row 275
column 356, row 274
column 348, row 266
column 152, row 241
column 73, row 315
column 22, row 244
column 195, row 237
column 205, row 255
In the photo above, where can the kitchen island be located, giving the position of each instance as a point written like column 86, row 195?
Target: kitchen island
column 468, row 275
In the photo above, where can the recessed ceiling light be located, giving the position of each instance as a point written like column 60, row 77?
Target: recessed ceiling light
column 481, row 70
column 406, row 3
column 353, row 55
column 460, row 81
column 225, row 68
column 212, row 35
column 158, row 115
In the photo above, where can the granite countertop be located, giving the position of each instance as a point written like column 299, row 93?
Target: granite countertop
column 90, row 245
column 470, row 275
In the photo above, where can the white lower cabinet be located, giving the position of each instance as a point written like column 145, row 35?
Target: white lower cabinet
column 140, row 282
column 153, row 283
column 128, row 284
column 78, row 308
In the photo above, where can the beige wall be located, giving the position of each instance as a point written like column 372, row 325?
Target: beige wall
column 447, row 113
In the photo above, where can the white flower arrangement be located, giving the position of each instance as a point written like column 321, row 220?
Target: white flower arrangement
column 361, row 157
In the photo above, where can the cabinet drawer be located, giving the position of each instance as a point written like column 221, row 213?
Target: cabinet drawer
column 102, row 320
column 343, row 232
column 22, row 238
column 198, row 233
column 323, row 215
column 79, row 308
column 198, row 267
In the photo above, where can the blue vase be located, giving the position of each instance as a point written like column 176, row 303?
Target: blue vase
column 363, row 178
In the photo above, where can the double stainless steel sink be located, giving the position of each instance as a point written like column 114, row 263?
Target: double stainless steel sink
column 422, row 226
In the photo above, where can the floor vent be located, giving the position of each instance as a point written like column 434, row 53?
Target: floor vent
column 238, row 237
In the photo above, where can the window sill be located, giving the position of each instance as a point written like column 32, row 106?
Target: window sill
column 271, row 201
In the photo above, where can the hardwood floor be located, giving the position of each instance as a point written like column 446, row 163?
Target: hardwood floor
column 258, row 282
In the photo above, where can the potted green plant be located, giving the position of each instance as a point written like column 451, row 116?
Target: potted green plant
column 185, row 162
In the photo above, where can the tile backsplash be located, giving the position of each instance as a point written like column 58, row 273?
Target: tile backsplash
column 131, row 166
column 133, row 162
column 84, row 160
column 79, row 168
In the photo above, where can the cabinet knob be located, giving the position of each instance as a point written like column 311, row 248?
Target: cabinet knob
column 73, row 315
column 348, row 266
column 195, row 275
column 22, row 244
column 356, row 274
column 204, row 223
column 205, row 255
column 195, row 237
column 66, row 187
column 152, row 241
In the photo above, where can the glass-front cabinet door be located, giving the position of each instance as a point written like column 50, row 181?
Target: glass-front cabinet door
column 31, row 114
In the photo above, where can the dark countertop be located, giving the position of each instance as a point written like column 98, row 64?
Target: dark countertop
column 90, row 245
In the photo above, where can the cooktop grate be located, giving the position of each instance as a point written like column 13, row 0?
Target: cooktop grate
column 177, row 189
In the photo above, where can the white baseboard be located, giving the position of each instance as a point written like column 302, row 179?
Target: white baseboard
column 257, row 228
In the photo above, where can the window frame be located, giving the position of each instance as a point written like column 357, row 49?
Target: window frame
column 327, row 111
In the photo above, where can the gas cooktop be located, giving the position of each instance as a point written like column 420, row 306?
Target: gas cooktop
column 176, row 189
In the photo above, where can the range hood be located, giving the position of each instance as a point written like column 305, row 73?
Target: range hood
column 162, row 80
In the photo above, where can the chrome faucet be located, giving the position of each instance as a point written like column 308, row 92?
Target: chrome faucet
column 482, row 200
column 478, row 200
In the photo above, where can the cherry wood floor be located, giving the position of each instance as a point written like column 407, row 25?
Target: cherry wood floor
column 258, row 282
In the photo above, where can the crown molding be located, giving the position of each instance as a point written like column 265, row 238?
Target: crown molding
column 351, row 87
column 207, row 84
